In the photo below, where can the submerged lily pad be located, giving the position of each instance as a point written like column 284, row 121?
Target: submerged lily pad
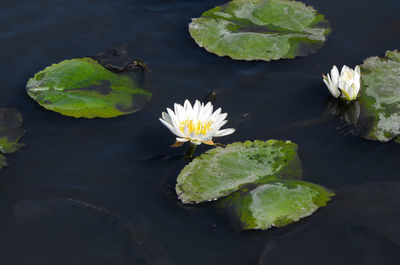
column 260, row 30
column 380, row 97
column 101, row 233
column 3, row 161
column 10, row 130
column 221, row 171
column 274, row 204
column 84, row 88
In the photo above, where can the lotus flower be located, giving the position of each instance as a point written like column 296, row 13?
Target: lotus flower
column 197, row 124
column 346, row 85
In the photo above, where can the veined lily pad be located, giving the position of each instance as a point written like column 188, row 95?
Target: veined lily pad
column 260, row 29
column 10, row 130
column 277, row 203
column 221, row 171
column 380, row 97
column 84, row 88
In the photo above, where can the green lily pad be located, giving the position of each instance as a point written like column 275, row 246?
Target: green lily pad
column 380, row 97
column 10, row 130
column 84, row 88
column 221, row 171
column 260, row 29
column 274, row 204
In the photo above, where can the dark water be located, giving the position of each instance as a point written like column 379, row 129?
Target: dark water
column 120, row 173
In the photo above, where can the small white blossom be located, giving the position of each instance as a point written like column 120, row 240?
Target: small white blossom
column 346, row 85
column 197, row 124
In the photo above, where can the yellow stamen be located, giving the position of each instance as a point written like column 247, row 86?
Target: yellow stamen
column 196, row 127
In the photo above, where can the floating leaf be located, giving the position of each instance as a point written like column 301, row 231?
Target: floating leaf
column 221, row 171
column 84, row 88
column 277, row 203
column 260, row 30
column 380, row 98
column 10, row 130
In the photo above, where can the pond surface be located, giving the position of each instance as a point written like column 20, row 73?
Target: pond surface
column 101, row 191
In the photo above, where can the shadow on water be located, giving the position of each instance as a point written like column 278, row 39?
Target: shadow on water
column 360, row 226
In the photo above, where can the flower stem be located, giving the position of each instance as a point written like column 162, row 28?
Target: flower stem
column 191, row 150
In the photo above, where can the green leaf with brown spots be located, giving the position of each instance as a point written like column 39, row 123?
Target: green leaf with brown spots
column 221, row 171
column 260, row 29
column 274, row 204
column 380, row 98
column 84, row 88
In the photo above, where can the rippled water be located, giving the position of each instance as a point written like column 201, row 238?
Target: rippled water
column 120, row 173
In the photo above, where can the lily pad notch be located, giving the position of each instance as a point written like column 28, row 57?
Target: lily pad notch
column 261, row 30
column 82, row 87
column 258, row 184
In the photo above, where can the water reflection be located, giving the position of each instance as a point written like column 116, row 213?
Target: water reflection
column 356, row 118
column 347, row 111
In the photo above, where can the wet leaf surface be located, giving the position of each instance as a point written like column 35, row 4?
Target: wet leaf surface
column 380, row 98
column 221, row 171
column 274, row 204
column 260, row 30
column 84, row 88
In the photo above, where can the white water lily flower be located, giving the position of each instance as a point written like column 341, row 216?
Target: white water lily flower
column 197, row 124
column 346, row 85
column 332, row 81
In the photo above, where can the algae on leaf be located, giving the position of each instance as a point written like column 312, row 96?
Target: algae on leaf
column 274, row 204
column 10, row 130
column 380, row 97
column 84, row 88
column 221, row 171
column 260, row 29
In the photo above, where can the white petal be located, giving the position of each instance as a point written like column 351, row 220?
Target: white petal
column 166, row 118
column 224, row 132
column 187, row 106
column 195, row 142
column 173, row 117
column 196, row 109
column 219, row 125
column 181, row 139
column 215, row 114
column 357, row 70
column 206, row 112
column 179, row 112
column 345, row 69
column 334, row 75
column 332, row 88
column 357, row 87
column 172, row 129
column 220, row 118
